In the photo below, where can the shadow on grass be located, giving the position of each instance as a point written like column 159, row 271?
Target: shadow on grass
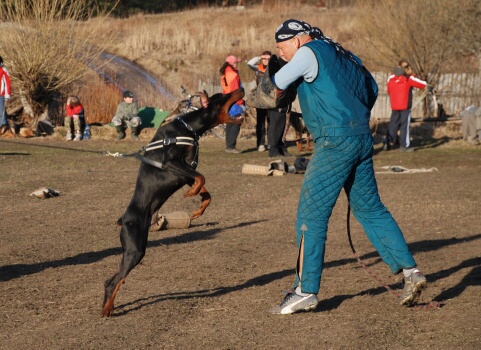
column 205, row 293
column 10, row 272
column 472, row 278
column 14, row 154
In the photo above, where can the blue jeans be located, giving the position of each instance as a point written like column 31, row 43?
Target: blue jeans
column 337, row 163
column 3, row 115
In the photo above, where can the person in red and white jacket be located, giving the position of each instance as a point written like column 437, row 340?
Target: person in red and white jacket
column 74, row 111
column 4, row 93
column 399, row 88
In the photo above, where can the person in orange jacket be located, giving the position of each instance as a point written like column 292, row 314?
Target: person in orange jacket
column 230, row 81
column 399, row 88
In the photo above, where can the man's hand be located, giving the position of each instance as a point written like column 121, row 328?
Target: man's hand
column 279, row 93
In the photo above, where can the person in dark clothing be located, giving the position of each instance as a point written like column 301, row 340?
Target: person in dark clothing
column 275, row 132
column 259, row 64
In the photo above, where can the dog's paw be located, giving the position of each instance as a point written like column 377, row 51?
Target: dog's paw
column 190, row 193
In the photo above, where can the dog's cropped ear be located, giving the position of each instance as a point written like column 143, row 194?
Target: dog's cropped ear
column 204, row 99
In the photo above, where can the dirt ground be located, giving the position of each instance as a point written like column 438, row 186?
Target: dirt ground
column 210, row 286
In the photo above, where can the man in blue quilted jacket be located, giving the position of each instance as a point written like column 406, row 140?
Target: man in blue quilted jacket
column 336, row 95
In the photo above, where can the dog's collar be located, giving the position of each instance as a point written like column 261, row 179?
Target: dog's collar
column 187, row 126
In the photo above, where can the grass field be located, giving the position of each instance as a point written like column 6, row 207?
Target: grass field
column 210, row 286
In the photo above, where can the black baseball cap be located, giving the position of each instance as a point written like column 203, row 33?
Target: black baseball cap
column 128, row 94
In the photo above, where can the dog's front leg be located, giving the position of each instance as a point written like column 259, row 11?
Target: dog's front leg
column 181, row 168
column 206, row 199
column 197, row 186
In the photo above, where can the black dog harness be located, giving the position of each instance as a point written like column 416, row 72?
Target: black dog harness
column 180, row 140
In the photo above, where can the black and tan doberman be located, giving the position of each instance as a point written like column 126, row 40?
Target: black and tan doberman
column 168, row 163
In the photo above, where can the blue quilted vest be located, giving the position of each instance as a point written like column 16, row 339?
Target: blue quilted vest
column 339, row 100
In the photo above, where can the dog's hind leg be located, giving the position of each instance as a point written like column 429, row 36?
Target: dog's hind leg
column 308, row 142
column 112, row 285
column 206, row 199
column 134, row 243
column 299, row 144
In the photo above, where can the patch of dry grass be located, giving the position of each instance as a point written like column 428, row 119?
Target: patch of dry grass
column 187, row 47
column 99, row 98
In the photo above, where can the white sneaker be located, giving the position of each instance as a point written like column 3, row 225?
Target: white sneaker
column 261, row 148
column 78, row 137
column 293, row 302
column 69, row 136
column 412, row 288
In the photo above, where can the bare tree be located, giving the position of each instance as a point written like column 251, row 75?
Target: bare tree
column 429, row 34
column 47, row 44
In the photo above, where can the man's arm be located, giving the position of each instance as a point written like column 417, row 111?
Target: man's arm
column 252, row 63
column 304, row 64
column 6, row 83
column 416, row 82
column 120, row 112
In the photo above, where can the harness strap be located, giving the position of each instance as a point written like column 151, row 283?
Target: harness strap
column 181, row 140
column 148, row 161
column 188, row 141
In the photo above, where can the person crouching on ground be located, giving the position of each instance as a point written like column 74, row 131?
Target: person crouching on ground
column 127, row 116
column 74, row 111
column 336, row 94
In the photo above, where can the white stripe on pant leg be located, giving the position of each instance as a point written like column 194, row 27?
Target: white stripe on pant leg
column 407, row 131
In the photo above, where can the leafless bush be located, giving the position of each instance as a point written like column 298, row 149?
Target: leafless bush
column 47, row 45
column 430, row 34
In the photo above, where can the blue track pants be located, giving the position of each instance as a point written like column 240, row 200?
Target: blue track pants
column 344, row 162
